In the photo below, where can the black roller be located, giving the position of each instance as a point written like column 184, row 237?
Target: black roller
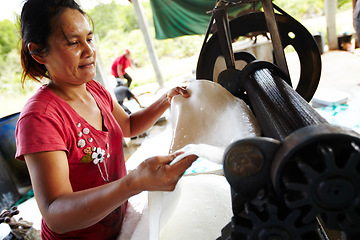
column 279, row 109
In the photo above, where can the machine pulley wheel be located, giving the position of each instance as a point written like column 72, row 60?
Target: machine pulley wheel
column 292, row 33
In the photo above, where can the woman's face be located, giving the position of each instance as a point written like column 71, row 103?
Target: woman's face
column 71, row 59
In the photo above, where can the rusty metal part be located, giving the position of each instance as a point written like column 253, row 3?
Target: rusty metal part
column 6, row 215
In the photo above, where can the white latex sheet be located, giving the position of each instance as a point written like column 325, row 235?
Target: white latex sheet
column 203, row 124
column 211, row 116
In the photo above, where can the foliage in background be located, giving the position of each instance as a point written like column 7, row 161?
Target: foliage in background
column 117, row 28
column 113, row 16
column 10, row 67
column 303, row 9
column 8, row 37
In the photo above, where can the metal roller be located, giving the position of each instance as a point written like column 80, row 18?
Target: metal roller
column 279, row 109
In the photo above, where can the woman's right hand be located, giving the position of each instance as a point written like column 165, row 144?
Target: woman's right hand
column 156, row 173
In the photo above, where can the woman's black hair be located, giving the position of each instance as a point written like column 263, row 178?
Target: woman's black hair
column 36, row 25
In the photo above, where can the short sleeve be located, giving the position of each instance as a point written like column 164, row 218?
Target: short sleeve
column 39, row 133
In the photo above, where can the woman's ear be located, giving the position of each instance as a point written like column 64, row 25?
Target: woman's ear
column 36, row 55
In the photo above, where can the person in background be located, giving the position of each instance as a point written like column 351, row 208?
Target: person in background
column 119, row 66
column 122, row 92
column 70, row 131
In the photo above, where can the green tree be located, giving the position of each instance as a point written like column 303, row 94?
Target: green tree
column 301, row 9
column 8, row 37
column 113, row 16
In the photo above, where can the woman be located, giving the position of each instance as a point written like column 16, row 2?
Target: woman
column 70, row 132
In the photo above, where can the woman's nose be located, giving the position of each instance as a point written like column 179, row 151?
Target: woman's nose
column 89, row 49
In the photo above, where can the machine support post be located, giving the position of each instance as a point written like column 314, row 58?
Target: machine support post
column 275, row 36
column 222, row 23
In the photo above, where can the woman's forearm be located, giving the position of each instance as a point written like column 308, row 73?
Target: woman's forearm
column 78, row 210
column 142, row 120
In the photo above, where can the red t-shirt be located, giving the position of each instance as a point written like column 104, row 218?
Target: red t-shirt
column 123, row 61
column 48, row 123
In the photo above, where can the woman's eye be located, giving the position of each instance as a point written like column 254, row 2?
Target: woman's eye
column 72, row 43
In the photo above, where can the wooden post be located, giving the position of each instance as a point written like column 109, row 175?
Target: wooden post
column 330, row 13
column 143, row 26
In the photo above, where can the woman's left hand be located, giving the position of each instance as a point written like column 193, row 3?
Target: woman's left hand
column 177, row 91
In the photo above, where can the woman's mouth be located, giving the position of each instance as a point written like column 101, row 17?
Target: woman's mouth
column 87, row 65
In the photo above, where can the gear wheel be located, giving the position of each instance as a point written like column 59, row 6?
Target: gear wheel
column 273, row 221
column 328, row 186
